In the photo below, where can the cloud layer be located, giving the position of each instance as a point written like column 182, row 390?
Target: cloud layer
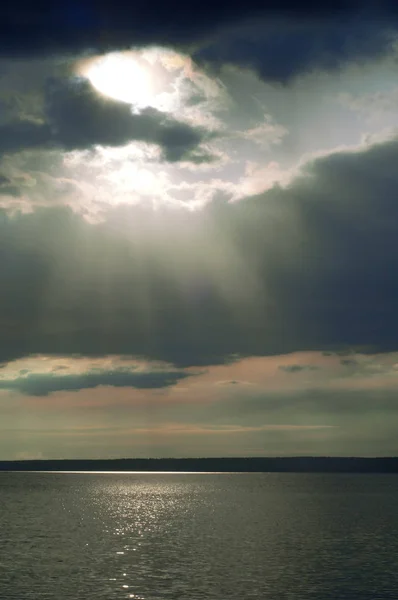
column 308, row 266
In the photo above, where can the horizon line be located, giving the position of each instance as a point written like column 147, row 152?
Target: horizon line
column 203, row 458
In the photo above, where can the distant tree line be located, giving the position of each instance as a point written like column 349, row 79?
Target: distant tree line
column 296, row 464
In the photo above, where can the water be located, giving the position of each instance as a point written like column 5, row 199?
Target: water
column 198, row 536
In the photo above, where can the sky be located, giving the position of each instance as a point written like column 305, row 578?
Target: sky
column 198, row 229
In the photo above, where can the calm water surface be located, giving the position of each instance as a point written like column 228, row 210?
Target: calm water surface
column 198, row 536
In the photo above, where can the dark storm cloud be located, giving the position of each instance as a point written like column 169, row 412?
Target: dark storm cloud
column 44, row 384
column 77, row 117
column 312, row 266
column 48, row 26
column 81, row 118
column 22, row 135
column 279, row 51
column 278, row 38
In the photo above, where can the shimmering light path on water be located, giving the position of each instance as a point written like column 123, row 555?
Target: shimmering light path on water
column 191, row 536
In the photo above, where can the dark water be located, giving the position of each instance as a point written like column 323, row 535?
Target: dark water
column 191, row 536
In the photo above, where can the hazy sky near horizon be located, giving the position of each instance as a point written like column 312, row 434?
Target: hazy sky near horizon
column 198, row 230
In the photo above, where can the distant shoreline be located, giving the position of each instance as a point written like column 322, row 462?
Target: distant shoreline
column 296, row 464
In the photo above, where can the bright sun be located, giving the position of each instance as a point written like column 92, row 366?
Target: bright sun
column 120, row 76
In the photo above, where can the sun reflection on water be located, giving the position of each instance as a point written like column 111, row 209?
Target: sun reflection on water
column 138, row 516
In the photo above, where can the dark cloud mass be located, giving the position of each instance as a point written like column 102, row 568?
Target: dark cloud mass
column 279, row 51
column 77, row 117
column 312, row 266
column 22, row 134
column 82, row 118
column 44, row 384
column 277, row 39
column 48, row 26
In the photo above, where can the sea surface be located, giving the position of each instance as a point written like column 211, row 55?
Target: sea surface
column 68, row 536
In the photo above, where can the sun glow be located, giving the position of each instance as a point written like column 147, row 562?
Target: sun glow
column 121, row 76
column 166, row 81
